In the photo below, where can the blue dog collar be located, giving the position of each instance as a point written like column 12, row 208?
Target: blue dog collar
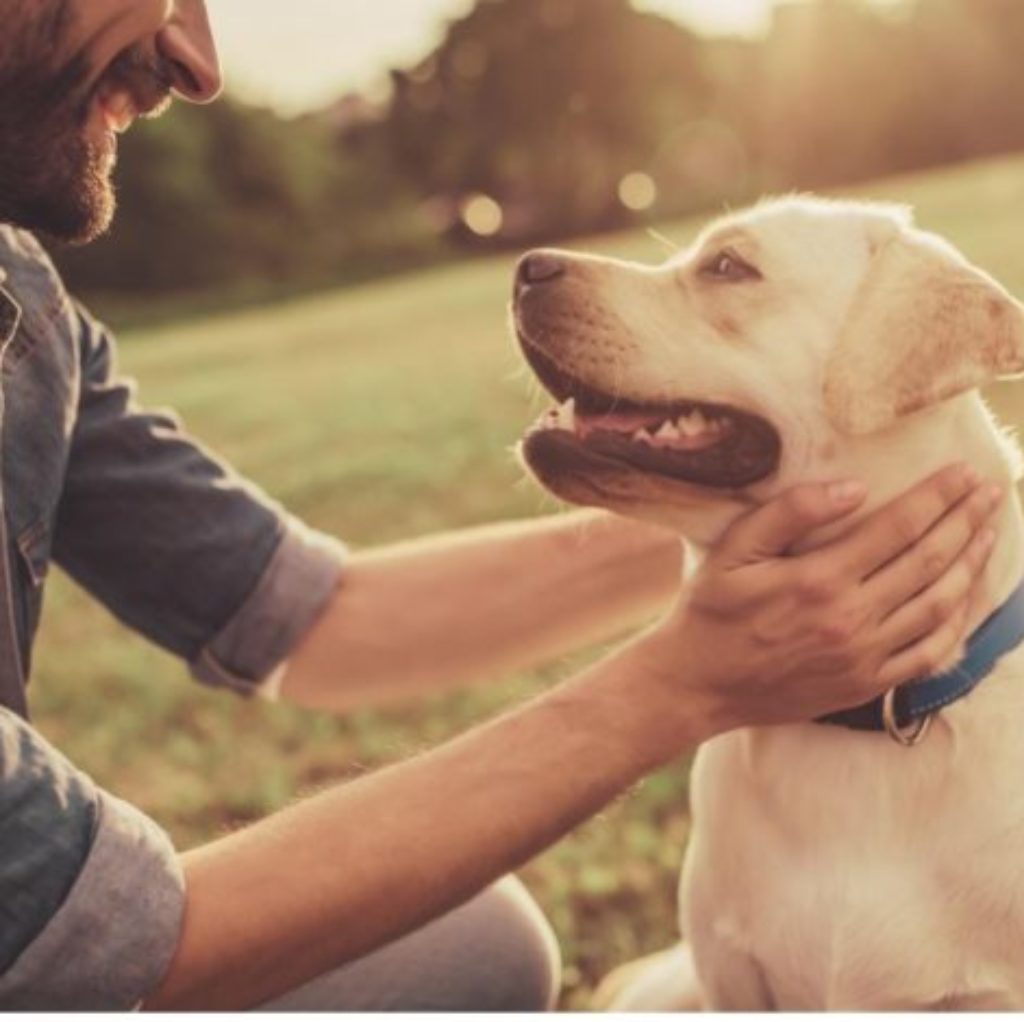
column 911, row 705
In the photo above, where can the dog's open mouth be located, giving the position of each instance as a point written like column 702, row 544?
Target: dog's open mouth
column 697, row 442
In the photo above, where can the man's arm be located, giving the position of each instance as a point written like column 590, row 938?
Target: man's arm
column 174, row 542
column 199, row 560
column 91, row 892
column 423, row 617
column 340, row 875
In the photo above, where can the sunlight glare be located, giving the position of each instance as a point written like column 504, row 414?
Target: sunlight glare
column 297, row 55
column 746, row 17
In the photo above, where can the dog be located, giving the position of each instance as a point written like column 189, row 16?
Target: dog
column 808, row 339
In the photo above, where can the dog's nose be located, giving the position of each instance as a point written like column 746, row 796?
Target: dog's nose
column 539, row 268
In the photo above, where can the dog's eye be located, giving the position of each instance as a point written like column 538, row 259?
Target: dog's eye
column 728, row 266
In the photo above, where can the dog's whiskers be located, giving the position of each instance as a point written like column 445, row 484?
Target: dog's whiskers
column 667, row 243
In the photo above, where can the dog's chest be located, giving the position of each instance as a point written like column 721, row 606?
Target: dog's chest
column 856, row 873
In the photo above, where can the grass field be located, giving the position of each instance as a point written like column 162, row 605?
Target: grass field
column 379, row 413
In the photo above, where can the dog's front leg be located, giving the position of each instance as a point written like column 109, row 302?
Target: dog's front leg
column 732, row 980
column 660, row 983
column 729, row 976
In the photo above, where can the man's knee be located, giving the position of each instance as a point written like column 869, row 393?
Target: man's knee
column 526, row 965
column 497, row 953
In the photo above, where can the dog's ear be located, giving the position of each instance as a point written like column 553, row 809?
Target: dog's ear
column 925, row 326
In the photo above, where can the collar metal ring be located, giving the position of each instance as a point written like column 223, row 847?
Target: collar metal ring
column 909, row 736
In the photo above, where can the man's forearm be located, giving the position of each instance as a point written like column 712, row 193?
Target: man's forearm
column 437, row 614
column 344, row 873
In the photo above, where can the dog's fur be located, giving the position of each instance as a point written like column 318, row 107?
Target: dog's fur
column 827, row 869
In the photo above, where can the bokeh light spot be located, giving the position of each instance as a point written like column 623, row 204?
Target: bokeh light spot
column 638, row 191
column 483, row 216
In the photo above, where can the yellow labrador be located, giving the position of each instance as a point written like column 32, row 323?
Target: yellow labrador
column 805, row 339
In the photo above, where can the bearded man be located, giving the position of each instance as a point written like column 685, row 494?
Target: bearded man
column 386, row 892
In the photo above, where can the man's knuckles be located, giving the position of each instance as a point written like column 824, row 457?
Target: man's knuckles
column 837, row 630
column 817, row 583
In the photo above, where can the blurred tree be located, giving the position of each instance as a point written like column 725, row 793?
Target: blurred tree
column 973, row 48
column 849, row 91
column 834, row 75
column 546, row 105
column 232, row 195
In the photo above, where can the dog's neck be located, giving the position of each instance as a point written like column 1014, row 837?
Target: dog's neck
column 962, row 429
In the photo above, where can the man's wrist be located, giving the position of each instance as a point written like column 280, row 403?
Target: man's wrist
column 643, row 699
column 675, row 679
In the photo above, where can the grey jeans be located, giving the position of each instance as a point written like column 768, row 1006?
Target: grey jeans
column 495, row 954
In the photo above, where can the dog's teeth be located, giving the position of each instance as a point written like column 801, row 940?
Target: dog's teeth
column 691, row 426
column 642, row 436
column 566, row 416
column 668, row 431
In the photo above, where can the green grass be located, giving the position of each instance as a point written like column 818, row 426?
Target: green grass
column 378, row 413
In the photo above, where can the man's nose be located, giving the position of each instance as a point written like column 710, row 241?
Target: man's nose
column 186, row 43
column 539, row 267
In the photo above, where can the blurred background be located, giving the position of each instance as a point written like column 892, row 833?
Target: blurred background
column 363, row 138
column 314, row 272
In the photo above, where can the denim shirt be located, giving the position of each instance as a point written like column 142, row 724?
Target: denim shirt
column 160, row 530
column 179, row 548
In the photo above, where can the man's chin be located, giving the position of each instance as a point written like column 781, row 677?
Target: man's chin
column 77, row 214
column 87, row 224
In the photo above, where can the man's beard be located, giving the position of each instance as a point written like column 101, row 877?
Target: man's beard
column 53, row 177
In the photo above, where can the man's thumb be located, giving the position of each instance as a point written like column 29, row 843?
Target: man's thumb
column 773, row 529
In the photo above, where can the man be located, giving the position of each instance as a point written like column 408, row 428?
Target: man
column 329, row 904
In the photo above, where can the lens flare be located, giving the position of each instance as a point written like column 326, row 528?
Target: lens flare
column 638, row 191
column 483, row 216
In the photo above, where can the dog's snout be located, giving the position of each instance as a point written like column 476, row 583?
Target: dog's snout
column 539, row 268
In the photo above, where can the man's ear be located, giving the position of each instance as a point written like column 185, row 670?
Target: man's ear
column 925, row 326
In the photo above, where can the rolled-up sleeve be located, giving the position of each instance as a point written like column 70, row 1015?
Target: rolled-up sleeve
column 302, row 574
column 175, row 543
column 92, row 892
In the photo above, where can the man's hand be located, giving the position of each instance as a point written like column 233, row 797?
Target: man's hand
column 762, row 637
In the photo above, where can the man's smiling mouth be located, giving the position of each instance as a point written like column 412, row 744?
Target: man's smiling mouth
column 134, row 86
column 117, row 108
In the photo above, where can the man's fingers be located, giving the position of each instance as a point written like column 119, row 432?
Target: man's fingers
column 956, row 539
column 774, row 528
column 924, row 657
column 945, row 599
column 889, row 531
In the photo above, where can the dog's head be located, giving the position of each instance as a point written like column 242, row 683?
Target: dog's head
column 780, row 340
